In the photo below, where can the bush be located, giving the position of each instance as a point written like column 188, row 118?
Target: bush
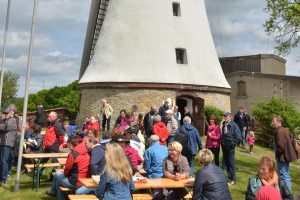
column 210, row 110
column 264, row 111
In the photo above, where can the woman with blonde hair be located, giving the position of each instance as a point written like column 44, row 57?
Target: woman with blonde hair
column 175, row 167
column 116, row 181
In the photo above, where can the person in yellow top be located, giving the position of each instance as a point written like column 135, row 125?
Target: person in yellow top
column 105, row 112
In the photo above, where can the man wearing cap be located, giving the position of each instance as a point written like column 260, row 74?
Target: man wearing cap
column 122, row 142
column 134, row 141
column 231, row 136
column 8, row 135
column 154, row 157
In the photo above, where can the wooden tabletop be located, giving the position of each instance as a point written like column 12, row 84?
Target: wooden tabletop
column 152, row 183
column 62, row 161
column 82, row 197
column 45, row 155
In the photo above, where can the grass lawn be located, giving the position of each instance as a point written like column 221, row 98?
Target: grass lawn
column 246, row 166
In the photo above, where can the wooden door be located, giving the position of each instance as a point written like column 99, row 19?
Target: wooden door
column 198, row 115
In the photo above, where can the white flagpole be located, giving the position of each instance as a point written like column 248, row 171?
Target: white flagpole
column 4, row 50
column 17, row 183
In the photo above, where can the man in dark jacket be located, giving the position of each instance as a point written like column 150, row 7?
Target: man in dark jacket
column 162, row 112
column 149, row 121
column 193, row 139
column 40, row 115
column 241, row 121
column 284, row 152
column 97, row 162
column 230, row 137
column 8, row 135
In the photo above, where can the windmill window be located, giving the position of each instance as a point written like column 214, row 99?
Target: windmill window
column 176, row 9
column 181, row 56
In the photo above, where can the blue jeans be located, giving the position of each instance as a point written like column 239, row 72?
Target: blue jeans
column 191, row 165
column 284, row 172
column 243, row 134
column 85, row 190
column 228, row 153
column 5, row 162
column 60, row 180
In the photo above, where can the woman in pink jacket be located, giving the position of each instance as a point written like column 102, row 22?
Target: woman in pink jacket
column 213, row 138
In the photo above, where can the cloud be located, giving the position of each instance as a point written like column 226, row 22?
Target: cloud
column 61, row 28
column 59, row 38
column 242, row 31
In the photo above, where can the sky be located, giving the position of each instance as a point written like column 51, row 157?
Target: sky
column 236, row 26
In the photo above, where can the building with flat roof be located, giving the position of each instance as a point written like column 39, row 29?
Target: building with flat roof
column 256, row 77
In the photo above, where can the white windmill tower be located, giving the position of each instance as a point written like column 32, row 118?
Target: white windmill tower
column 140, row 52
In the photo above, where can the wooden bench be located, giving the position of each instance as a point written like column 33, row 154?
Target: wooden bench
column 82, row 197
column 64, row 189
column 42, row 165
column 142, row 196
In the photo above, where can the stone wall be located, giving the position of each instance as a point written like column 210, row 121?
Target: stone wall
column 143, row 98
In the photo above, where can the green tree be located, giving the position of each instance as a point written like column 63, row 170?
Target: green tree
column 264, row 111
column 283, row 23
column 210, row 110
column 10, row 87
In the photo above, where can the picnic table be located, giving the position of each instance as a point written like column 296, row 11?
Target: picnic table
column 38, row 165
column 153, row 183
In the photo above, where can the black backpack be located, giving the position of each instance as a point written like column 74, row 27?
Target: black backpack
column 182, row 138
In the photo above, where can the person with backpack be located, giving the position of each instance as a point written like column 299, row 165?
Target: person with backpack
column 284, row 150
column 54, row 137
column 190, row 137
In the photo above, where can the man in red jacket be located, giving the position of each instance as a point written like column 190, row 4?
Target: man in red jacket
column 53, row 137
column 77, row 166
column 161, row 130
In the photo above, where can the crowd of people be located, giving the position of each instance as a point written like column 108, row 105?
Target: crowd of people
column 163, row 142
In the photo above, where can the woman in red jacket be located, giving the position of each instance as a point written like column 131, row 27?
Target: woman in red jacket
column 77, row 166
column 213, row 138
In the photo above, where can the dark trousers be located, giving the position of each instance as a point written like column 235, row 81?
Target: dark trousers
column 105, row 121
column 169, row 194
column 5, row 162
column 216, row 152
column 250, row 148
column 228, row 153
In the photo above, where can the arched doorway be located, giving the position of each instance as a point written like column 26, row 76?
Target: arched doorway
column 196, row 107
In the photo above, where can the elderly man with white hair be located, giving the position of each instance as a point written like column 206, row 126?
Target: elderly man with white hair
column 193, row 139
column 154, row 157
column 53, row 137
